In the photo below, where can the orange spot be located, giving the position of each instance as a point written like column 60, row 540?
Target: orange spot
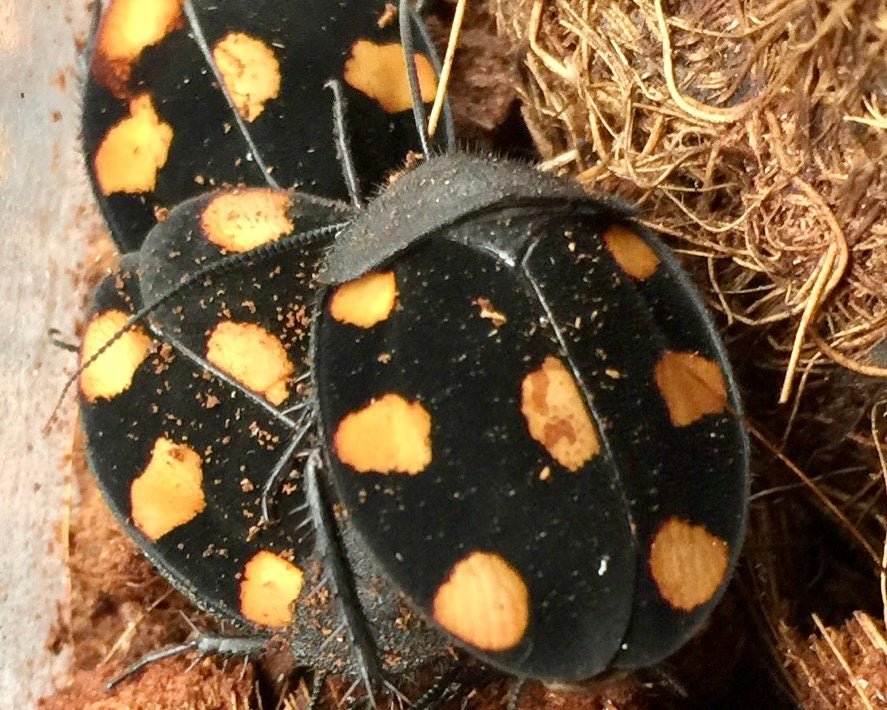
column 389, row 435
column 253, row 357
column 365, row 301
column 245, row 219
column 128, row 27
column 691, row 387
column 484, row 602
column 269, row 589
column 380, row 72
column 169, row 492
column 556, row 415
column 112, row 372
column 134, row 150
column 250, row 70
column 687, row 563
column 635, row 257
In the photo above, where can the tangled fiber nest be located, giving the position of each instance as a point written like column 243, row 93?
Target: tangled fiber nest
column 752, row 131
column 753, row 134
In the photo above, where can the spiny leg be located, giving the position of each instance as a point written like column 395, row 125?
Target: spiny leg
column 204, row 644
column 343, row 147
column 341, row 581
column 438, row 692
column 281, row 468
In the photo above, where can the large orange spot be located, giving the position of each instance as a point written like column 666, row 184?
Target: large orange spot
column 247, row 218
column 380, row 72
column 484, row 602
column 253, row 357
column 169, row 492
column 126, row 29
column 134, row 150
column 365, row 301
column 687, row 563
column 691, row 386
column 633, row 254
column 250, row 70
column 389, row 435
column 112, row 372
column 556, row 415
column 269, row 589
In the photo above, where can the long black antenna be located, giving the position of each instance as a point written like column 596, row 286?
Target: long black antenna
column 343, row 147
column 215, row 268
column 449, row 130
column 405, row 19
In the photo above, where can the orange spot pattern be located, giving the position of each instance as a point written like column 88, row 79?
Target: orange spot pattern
column 366, row 301
column 389, row 435
column 169, row 492
column 687, row 563
column 691, row 386
column 112, row 372
column 634, row 256
column 556, row 415
column 484, row 602
column 253, row 357
column 244, row 219
column 380, row 72
column 133, row 151
column 269, row 588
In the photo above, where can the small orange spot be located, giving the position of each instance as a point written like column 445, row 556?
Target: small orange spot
column 244, row 219
column 380, row 72
column 484, row 602
column 687, row 563
column 691, row 387
column 112, row 372
column 134, row 150
column 269, row 589
column 250, row 70
column 253, row 357
column 389, row 435
column 556, row 415
column 128, row 27
column 633, row 254
column 365, row 301
column 169, row 492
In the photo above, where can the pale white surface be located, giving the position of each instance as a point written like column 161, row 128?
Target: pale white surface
column 42, row 195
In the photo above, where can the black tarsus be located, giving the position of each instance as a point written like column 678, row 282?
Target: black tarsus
column 439, row 691
column 54, row 338
column 316, row 689
column 204, row 644
column 515, row 693
column 341, row 581
column 343, row 147
column 281, row 470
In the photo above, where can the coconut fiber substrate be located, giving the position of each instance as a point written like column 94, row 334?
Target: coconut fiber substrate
column 753, row 136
